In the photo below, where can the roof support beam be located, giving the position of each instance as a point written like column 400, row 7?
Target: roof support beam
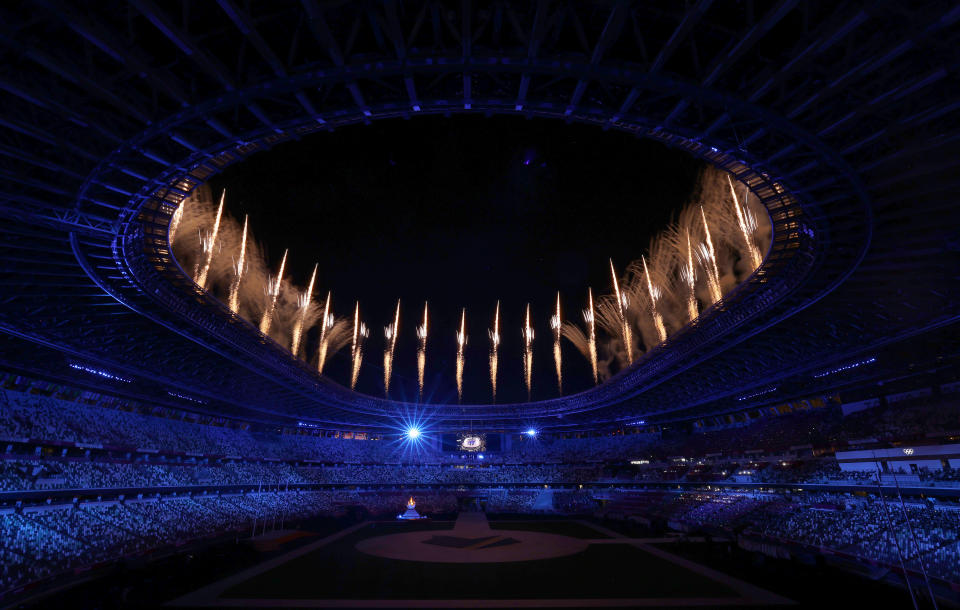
column 321, row 31
column 183, row 41
column 872, row 61
column 466, row 46
column 726, row 60
column 26, row 157
column 247, row 28
column 533, row 47
column 43, row 100
column 610, row 34
column 819, row 45
column 70, row 73
column 690, row 19
column 46, row 137
column 395, row 32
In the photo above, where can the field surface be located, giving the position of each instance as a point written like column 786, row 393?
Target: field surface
column 473, row 563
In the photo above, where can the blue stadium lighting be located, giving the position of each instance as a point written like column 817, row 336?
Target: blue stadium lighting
column 414, row 433
column 480, row 456
column 760, row 393
column 101, row 373
column 844, row 368
column 531, row 432
column 185, row 397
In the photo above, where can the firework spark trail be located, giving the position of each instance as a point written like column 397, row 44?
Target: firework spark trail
column 528, row 353
column 708, row 258
column 422, row 350
column 205, row 269
column 461, row 342
column 273, row 291
column 654, row 293
column 326, row 323
column 304, row 305
column 672, row 266
column 590, row 318
column 360, row 332
column 557, row 325
column 494, row 334
column 748, row 225
column 390, row 332
column 688, row 275
column 622, row 304
column 204, row 244
column 239, row 266
column 176, row 218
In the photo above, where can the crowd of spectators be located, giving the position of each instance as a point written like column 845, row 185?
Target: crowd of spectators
column 504, row 501
column 126, row 449
column 867, row 527
column 38, row 542
column 151, row 452
column 86, row 473
column 492, row 474
column 44, row 541
column 36, row 417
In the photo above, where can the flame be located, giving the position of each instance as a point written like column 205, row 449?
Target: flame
column 748, row 224
column 494, row 334
column 556, row 323
column 623, row 303
column 304, row 302
column 461, row 342
column 273, row 291
column 411, row 503
column 209, row 249
column 239, row 266
column 590, row 318
column 654, row 293
column 528, row 353
column 422, row 351
column 390, row 331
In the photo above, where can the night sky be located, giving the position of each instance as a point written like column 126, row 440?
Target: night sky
column 460, row 211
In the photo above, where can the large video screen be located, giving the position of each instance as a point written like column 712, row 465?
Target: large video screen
column 471, row 442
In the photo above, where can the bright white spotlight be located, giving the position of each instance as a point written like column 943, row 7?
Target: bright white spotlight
column 531, row 432
column 413, row 433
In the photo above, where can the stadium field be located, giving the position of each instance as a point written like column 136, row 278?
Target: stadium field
column 575, row 529
column 486, row 568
